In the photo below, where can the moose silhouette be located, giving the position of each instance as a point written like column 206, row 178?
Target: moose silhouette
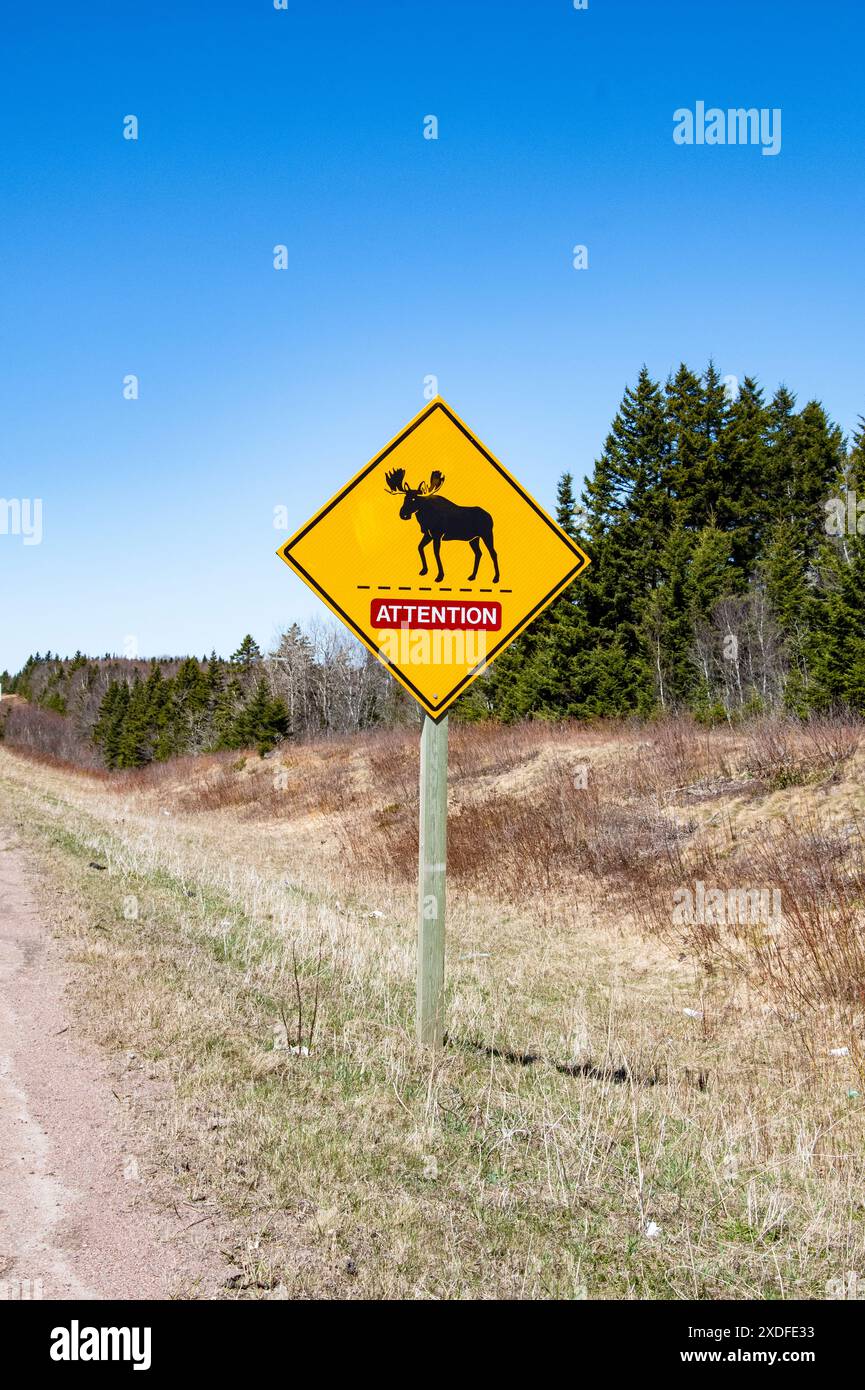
column 441, row 520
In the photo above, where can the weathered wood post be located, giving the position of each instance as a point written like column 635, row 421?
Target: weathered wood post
column 432, row 860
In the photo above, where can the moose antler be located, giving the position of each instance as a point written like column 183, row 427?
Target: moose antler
column 396, row 480
column 435, row 482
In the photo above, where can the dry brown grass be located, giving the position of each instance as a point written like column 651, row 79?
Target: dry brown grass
column 577, row 1100
column 45, row 736
column 538, row 841
column 786, row 752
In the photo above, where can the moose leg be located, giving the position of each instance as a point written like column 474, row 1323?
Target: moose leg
column 476, row 551
column 437, row 545
column 488, row 542
column 425, row 540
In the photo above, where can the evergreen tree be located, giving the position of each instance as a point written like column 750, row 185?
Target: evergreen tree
column 247, row 655
column 134, row 740
column 631, row 502
column 532, row 674
column 229, row 701
column 743, row 450
column 839, row 663
column 840, row 658
column 666, row 629
column 684, row 407
column 108, row 729
column 261, row 723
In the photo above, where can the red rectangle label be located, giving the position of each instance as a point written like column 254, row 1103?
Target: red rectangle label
column 436, row 614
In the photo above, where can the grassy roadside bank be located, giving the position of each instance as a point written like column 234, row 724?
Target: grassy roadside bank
column 641, row 1153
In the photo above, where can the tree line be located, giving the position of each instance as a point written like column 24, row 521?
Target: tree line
column 728, row 565
column 124, row 713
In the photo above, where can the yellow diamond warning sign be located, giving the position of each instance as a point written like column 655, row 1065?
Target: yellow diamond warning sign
column 435, row 557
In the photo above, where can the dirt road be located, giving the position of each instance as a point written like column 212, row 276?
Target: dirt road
column 74, row 1216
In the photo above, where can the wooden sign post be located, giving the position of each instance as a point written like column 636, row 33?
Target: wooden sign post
column 436, row 558
column 431, row 889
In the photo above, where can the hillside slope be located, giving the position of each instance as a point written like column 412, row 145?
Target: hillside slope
column 624, row 1108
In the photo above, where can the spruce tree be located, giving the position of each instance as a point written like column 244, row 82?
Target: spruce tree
column 532, row 674
column 668, row 623
column 744, row 458
column 261, row 723
column 840, row 659
column 108, row 729
column 247, row 655
column 631, row 502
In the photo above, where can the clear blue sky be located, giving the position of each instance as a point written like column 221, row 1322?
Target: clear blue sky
column 406, row 257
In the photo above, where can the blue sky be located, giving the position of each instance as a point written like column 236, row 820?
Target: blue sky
column 407, row 257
